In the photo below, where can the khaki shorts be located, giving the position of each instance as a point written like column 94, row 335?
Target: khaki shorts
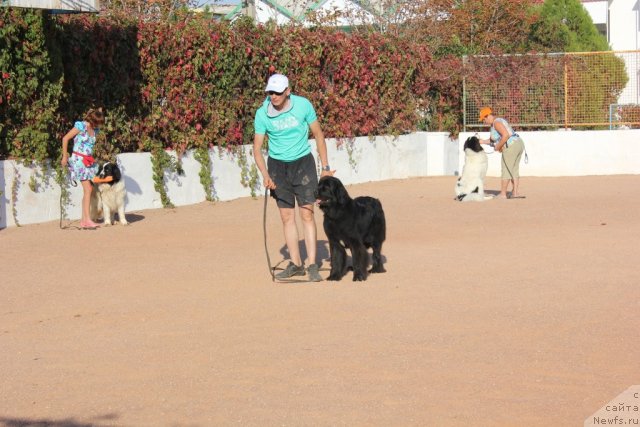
column 511, row 159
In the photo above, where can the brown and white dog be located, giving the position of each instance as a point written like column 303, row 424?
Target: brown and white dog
column 107, row 198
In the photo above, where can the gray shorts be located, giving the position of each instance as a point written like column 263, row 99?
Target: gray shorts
column 295, row 181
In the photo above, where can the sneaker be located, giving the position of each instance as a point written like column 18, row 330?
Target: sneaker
column 314, row 274
column 290, row 271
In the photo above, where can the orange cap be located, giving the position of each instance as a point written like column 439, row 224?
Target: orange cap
column 484, row 112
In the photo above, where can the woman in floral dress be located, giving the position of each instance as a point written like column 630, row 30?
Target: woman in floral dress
column 81, row 163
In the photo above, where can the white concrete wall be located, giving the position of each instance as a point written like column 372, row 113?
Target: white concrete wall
column 571, row 153
column 355, row 161
column 551, row 153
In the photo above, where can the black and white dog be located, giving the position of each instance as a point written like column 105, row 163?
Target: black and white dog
column 107, row 198
column 470, row 185
column 357, row 224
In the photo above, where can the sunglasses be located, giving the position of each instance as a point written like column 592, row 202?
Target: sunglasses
column 273, row 92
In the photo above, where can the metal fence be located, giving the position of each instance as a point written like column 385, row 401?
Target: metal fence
column 590, row 90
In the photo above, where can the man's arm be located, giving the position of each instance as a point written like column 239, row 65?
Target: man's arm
column 321, row 146
column 258, row 140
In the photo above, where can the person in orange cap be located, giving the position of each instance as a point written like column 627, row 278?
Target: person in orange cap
column 506, row 141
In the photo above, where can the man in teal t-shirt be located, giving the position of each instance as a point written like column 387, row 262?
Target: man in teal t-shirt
column 290, row 171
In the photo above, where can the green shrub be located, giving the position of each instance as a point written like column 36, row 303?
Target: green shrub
column 195, row 83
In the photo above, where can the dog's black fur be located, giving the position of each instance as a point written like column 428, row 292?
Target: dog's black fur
column 357, row 224
column 474, row 143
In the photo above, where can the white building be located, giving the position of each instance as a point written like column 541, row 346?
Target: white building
column 347, row 12
column 619, row 20
column 56, row 5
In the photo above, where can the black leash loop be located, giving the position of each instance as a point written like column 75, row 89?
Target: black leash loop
column 73, row 184
column 264, row 229
column 272, row 269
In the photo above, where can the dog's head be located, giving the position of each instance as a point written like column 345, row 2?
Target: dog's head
column 473, row 143
column 110, row 169
column 331, row 193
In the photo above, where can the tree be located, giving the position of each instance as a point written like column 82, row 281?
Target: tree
column 592, row 82
column 462, row 27
column 565, row 26
column 144, row 9
column 448, row 26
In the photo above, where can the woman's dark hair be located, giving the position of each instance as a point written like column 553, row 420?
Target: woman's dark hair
column 95, row 116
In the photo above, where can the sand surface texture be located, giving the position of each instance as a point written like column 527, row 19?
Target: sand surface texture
column 504, row 313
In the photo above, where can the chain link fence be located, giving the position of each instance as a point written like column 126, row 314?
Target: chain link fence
column 587, row 90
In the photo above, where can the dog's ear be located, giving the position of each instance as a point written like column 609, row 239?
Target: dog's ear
column 476, row 144
column 116, row 173
column 473, row 143
column 341, row 194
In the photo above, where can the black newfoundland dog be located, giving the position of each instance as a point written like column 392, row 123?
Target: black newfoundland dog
column 357, row 224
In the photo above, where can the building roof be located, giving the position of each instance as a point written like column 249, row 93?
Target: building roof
column 57, row 6
column 290, row 10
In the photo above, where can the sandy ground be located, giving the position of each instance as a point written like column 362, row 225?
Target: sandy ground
column 504, row 313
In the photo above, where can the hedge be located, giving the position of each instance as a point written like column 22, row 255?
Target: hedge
column 194, row 83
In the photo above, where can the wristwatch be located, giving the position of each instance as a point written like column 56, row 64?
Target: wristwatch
column 326, row 168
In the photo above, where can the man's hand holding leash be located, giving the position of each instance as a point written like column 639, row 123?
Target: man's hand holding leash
column 268, row 182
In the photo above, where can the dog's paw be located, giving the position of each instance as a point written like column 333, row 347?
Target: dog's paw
column 359, row 277
column 334, row 277
column 379, row 269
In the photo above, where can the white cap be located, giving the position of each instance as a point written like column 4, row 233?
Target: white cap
column 277, row 83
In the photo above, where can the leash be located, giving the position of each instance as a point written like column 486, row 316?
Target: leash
column 526, row 157
column 272, row 269
column 266, row 249
column 524, row 146
column 264, row 229
column 74, row 184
